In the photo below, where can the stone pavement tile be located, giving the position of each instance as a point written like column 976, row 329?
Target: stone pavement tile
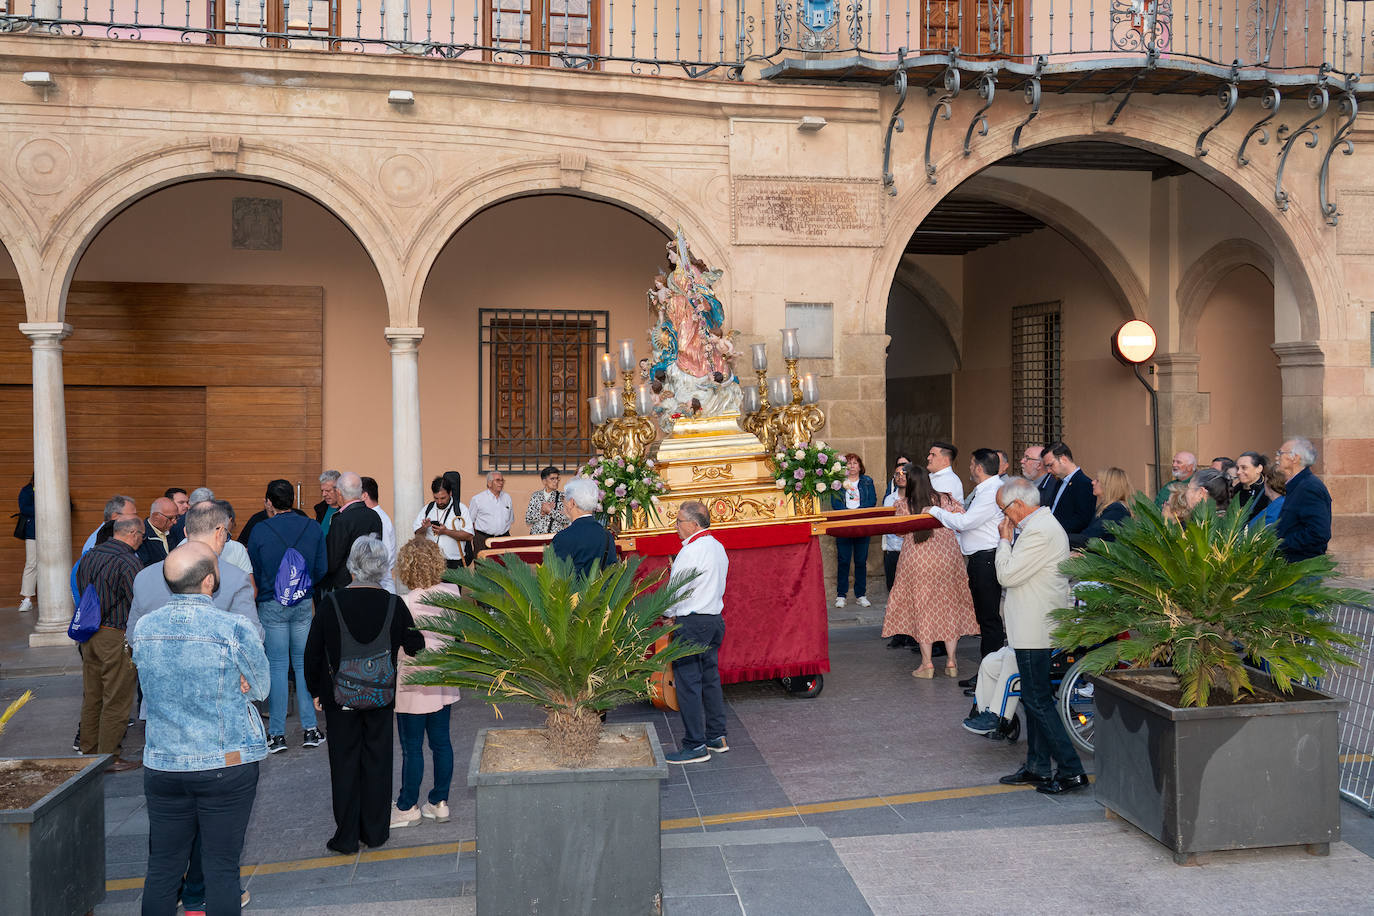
column 136, row 824
column 858, row 822
column 695, row 872
column 458, row 906
column 126, row 856
column 739, row 755
column 739, row 801
column 785, row 891
column 717, row 905
column 289, row 890
column 393, row 869
column 769, row 856
column 790, row 821
column 121, row 903
column 708, row 779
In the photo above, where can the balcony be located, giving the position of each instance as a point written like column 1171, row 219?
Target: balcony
column 1187, row 46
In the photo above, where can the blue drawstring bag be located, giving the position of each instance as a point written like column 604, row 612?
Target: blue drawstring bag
column 293, row 583
column 86, row 618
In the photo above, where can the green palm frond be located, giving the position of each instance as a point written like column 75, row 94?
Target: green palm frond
column 545, row 636
column 1202, row 598
column 14, row 708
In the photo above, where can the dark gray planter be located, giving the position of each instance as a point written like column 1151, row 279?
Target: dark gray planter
column 569, row 842
column 1237, row 777
column 52, row 853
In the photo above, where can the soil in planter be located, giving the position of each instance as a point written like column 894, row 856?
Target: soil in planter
column 1163, row 686
column 24, row 782
column 514, row 750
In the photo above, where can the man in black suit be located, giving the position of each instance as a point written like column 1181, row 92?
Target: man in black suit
column 1038, row 472
column 585, row 541
column 353, row 520
column 1073, row 504
column 160, row 520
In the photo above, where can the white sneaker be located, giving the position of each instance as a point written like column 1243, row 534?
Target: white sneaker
column 839, row 602
column 437, row 812
column 401, row 818
column 864, row 602
column 26, row 604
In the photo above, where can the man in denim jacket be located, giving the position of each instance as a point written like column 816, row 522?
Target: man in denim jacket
column 199, row 667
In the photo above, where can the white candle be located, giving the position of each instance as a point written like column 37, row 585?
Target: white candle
column 810, row 390
column 627, row 355
column 777, row 391
column 760, row 357
column 749, row 399
column 607, row 369
column 596, row 410
column 644, row 400
column 790, row 348
column 615, row 403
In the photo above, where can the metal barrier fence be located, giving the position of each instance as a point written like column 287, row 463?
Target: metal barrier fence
column 1357, row 722
column 720, row 37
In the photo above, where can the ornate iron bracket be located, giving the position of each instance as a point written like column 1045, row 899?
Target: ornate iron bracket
column 1227, row 96
column 895, row 123
column 1151, row 58
column 1032, row 92
column 1350, row 107
column 987, row 89
column 1319, row 99
column 1270, row 102
column 941, row 108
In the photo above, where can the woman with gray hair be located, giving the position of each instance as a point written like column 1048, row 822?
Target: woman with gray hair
column 350, row 670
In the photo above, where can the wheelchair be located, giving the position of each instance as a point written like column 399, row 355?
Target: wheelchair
column 1073, row 700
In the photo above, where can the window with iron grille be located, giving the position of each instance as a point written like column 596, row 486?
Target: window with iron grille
column 538, row 368
column 1036, row 400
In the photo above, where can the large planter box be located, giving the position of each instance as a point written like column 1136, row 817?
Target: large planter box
column 1235, row 777
column 569, row 842
column 52, row 853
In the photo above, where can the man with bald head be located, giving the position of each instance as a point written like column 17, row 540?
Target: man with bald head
column 200, row 668
column 1183, row 468
column 353, row 520
column 161, row 518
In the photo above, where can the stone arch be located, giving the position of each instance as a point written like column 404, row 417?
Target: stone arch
column 17, row 235
column 611, row 185
column 1202, row 276
column 1296, row 234
column 119, row 187
column 932, row 292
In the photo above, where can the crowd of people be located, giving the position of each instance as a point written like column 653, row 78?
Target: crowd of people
column 992, row 569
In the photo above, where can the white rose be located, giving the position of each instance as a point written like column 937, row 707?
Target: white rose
column 820, row 444
column 820, row 488
column 629, row 465
column 649, row 462
column 799, row 454
column 781, row 484
column 837, row 466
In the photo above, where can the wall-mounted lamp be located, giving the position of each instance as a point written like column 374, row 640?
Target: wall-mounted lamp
column 39, row 79
column 401, row 97
column 1133, row 344
column 811, row 123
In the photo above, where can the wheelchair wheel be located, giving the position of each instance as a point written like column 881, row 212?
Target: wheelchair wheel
column 1075, row 706
column 805, row 686
column 1013, row 729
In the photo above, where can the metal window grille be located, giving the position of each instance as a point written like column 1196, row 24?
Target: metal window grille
column 1036, row 362
column 537, row 370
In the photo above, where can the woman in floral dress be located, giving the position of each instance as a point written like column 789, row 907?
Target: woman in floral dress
column 930, row 600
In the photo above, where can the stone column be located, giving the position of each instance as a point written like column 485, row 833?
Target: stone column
column 407, row 464
column 1302, row 369
column 54, row 520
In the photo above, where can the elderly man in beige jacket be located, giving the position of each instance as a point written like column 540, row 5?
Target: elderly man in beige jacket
column 1028, row 568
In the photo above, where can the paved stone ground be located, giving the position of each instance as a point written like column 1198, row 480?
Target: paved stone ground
column 867, row 799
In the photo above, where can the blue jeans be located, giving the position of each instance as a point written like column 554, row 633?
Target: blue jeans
column 217, row 803
column 858, row 549
column 1045, row 734
column 285, row 630
column 412, row 728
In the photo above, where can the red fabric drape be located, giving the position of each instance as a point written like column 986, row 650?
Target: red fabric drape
column 775, row 622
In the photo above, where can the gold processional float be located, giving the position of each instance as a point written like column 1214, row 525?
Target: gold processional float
column 706, row 435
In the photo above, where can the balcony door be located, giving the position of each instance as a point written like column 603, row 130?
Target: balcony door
column 982, row 28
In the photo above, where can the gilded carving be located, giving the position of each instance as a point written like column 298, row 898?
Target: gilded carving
column 711, row 472
column 735, row 508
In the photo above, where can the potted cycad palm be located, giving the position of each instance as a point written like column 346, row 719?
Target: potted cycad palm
column 567, row 815
column 52, row 831
column 1193, row 744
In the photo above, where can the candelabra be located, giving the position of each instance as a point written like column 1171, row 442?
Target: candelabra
column 796, row 416
column 621, row 427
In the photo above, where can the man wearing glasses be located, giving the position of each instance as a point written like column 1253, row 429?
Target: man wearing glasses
column 1029, row 570
column 160, row 520
column 1304, row 526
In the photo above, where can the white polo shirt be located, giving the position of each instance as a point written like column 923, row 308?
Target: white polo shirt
column 706, row 593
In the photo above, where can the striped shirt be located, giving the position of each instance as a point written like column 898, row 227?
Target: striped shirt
column 111, row 568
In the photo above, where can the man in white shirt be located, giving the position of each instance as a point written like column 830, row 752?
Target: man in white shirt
column 1029, row 570
column 370, row 492
column 492, row 512
column 446, row 522
column 976, row 529
column 698, row 615
column 942, row 476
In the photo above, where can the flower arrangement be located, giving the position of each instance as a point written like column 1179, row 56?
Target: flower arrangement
column 813, row 470
column 625, row 485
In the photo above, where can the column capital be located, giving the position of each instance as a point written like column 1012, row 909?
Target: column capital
column 1177, row 362
column 51, row 333
column 1296, row 353
column 402, row 339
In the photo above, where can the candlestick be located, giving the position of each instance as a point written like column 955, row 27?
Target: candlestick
column 615, row 403
column 607, row 370
column 749, row 399
column 596, row 410
column 777, row 390
column 810, row 390
column 790, row 348
column 760, row 357
column 644, row 400
column 627, row 355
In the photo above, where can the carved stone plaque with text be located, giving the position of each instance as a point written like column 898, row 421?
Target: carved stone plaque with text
column 1355, row 234
column 842, row 212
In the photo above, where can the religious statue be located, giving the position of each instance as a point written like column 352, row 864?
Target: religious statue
column 693, row 353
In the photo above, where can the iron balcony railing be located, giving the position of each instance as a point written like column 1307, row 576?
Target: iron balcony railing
column 722, row 37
